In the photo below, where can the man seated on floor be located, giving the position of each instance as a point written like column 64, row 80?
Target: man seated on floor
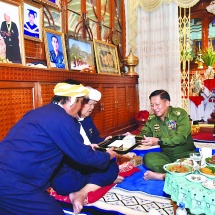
column 63, row 177
column 33, row 149
column 168, row 127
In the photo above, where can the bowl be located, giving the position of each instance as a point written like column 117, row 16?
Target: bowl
column 204, row 171
column 208, row 162
column 176, row 168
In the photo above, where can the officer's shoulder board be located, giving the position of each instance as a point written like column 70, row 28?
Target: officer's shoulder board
column 151, row 116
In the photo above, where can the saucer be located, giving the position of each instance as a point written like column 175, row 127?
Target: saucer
column 196, row 178
column 208, row 184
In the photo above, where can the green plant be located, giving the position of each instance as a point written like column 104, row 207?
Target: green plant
column 208, row 56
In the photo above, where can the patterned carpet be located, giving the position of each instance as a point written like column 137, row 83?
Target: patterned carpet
column 130, row 203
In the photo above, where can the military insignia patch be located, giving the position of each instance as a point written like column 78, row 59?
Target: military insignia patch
column 157, row 127
column 171, row 125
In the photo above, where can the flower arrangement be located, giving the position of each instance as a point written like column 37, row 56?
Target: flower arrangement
column 208, row 56
column 4, row 60
column 196, row 84
column 142, row 115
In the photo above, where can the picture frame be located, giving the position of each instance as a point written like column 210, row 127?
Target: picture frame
column 33, row 21
column 55, row 41
column 53, row 3
column 80, row 53
column 107, row 60
column 11, row 34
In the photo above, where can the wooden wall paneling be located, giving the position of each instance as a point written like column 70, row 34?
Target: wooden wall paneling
column 132, row 103
column 16, row 98
column 47, row 92
column 108, row 109
column 111, row 87
column 120, row 104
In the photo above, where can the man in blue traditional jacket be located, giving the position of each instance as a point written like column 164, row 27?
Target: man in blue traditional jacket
column 33, row 149
column 61, row 181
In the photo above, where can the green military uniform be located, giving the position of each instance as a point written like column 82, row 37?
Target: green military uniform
column 175, row 133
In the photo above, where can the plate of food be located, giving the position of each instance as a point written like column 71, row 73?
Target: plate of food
column 208, row 171
column 210, row 161
column 178, row 169
column 209, row 184
column 196, row 178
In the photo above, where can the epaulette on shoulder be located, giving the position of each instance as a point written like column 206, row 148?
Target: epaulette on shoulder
column 176, row 112
column 151, row 116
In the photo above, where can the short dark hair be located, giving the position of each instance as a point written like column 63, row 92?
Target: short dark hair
column 53, row 36
column 63, row 99
column 164, row 95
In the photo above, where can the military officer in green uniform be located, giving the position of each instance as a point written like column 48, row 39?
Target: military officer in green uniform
column 168, row 127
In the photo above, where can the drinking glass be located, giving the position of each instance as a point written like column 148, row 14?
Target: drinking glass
column 196, row 157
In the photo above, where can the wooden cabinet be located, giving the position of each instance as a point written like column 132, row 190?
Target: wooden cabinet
column 16, row 98
column 23, row 89
column 114, row 114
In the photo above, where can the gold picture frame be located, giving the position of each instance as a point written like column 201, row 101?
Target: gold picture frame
column 55, row 41
column 53, row 3
column 33, row 21
column 107, row 60
column 11, row 33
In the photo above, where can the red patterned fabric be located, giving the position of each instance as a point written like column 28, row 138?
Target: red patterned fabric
column 126, row 170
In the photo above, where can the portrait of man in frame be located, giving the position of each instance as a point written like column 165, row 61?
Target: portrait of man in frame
column 55, row 50
column 11, row 36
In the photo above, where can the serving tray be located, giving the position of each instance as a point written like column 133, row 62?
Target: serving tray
column 104, row 145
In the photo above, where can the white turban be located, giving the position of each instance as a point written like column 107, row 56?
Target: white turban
column 71, row 90
column 94, row 94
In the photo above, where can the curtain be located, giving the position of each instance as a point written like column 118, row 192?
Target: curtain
column 158, row 52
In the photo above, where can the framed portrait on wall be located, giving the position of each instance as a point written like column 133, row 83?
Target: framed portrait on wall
column 33, row 21
column 11, row 34
column 55, row 49
column 53, row 3
column 80, row 53
column 107, row 60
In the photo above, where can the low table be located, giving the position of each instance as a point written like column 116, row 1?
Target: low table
column 198, row 199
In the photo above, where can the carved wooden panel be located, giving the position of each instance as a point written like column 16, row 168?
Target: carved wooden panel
column 16, row 98
column 47, row 92
column 132, row 103
column 121, row 115
column 108, row 108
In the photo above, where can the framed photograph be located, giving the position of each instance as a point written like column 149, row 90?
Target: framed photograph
column 53, row 3
column 80, row 53
column 55, row 49
column 33, row 21
column 107, row 59
column 11, row 36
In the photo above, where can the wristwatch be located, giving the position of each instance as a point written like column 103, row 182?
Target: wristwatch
column 160, row 142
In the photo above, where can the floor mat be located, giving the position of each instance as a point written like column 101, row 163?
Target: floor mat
column 130, row 203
